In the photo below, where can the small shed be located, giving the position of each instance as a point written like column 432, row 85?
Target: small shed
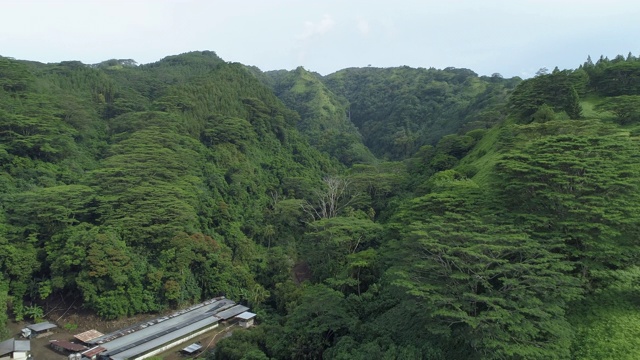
column 246, row 319
column 67, row 347
column 192, row 349
column 15, row 349
column 38, row 330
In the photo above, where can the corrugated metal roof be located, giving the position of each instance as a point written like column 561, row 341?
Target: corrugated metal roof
column 143, row 330
column 67, row 345
column 146, row 346
column 246, row 315
column 41, row 326
column 231, row 312
column 142, row 338
column 88, row 335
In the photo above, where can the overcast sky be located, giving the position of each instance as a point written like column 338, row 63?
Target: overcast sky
column 512, row 37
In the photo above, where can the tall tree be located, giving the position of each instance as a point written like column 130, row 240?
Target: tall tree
column 487, row 285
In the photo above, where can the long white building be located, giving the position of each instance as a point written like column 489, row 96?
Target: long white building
column 155, row 336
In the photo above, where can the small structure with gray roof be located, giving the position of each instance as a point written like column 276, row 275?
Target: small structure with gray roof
column 192, row 349
column 15, row 349
column 246, row 319
column 38, row 330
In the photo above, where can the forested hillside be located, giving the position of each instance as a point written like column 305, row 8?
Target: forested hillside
column 368, row 214
column 138, row 188
column 324, row 116
column 398, row 110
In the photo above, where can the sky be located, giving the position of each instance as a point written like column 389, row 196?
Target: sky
column 510, row 37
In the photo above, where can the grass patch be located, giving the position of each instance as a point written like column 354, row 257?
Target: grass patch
column 484, row 156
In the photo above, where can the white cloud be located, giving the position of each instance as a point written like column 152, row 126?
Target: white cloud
column 390, row 29
column 312, row 29
column 363, row 26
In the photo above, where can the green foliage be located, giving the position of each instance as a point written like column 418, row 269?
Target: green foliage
column 111, row 276
column 324, row 117
column 14, row 77
column 614, row 77
column 398, row 110
column 133, row 188
column 34, row 312
column 247, row 344
column 556, row 90
column 334, row 245
column 4, row 299
column 120, row 204
column 46, row 211
column 606, row 322
column 543, row 114
column 489, row 286
column 578, row 190
column 70, row 327
column 317, row 322
column 625, row 107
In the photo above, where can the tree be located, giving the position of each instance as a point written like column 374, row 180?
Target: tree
column 557, row 90
column 335, row 196
column 4, row 297
column 625, row 107
column 329, row 242
column 35, row 312
column 579, row 191
column 542, row 71
column 490, row 286
column 317, row 322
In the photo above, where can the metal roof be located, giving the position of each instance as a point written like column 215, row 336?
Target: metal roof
column 22, row 345
column 67, row 345
column 231, row 312
column 148, row 328
column 146, row 336
column 6, row 347
column 11, row 345
column 146, row 346
column 192, row 348
column 246, row 315
column 41, row 326
column 88, row 335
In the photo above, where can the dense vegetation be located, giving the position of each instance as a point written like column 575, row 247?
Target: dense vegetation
column 398, row 110
column 500, row 219
column 324, row 116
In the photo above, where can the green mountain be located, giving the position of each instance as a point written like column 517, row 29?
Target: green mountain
column 324, row 117
column 398, row 110
column 173, row 168
column 500, row 219
column 524, row 247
